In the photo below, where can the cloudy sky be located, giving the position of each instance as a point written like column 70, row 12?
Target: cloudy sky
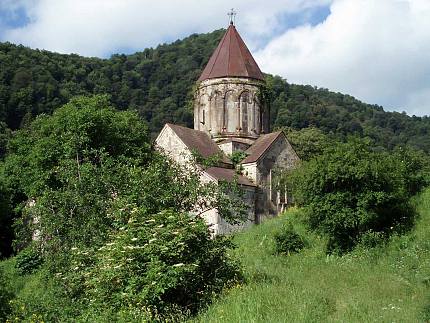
column 375, row 50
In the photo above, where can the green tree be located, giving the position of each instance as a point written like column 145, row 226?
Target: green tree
column 309, row 142
column 88, row 177
column 352, row 190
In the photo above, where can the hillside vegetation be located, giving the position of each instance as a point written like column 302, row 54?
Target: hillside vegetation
column 158, row 83
column 96, row 225
column 389, row 283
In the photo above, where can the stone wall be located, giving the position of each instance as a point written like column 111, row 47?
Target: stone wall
column 218, row 225
column 280, row 156
column 230, row 146
column 230, row 107
column 173, row 147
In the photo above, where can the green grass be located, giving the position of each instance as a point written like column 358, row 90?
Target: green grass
column 390, row 283
column 385, row 284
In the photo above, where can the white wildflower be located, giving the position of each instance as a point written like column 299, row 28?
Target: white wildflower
column 178, row 265
column 134, row 239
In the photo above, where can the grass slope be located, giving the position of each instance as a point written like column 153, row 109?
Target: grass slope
column 385, row 284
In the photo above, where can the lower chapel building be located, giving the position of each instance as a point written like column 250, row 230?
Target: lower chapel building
column 230, row 116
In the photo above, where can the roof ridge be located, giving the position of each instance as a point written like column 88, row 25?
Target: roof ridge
column 242, row 59
column 219, row 50
column 259, row 147
column 229, row 46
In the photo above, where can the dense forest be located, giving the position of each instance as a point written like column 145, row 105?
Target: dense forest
column 158, row 84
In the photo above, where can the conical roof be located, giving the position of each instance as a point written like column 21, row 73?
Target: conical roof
column 231, row 58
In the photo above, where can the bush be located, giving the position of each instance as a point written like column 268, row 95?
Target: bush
column 352, row 189
column 27, row 261
column 288, row 241
column 160, row 264
column 371, row 239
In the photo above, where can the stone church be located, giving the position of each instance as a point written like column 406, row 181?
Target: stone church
column 230, row 115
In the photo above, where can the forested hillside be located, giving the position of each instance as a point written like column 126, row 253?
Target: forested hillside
column 158, row 83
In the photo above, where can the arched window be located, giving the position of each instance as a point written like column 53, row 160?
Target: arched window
column 244, row 113
column 230, row 114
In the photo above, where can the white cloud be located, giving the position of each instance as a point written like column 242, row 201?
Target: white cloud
column 98, row 27
column 377, row 51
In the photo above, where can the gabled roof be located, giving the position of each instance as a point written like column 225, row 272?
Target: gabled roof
column 228, row 175
column 198, row 141
column 260, row 146
column 231, row 58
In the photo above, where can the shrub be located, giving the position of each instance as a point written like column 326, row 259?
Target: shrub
column 352, row 189
column 288, row 241
column 27, row 261
column 160, row 264
column 371, row 239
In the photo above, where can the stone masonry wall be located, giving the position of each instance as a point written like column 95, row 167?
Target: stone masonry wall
column 230, row 107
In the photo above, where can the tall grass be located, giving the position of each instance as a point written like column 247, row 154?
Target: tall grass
column 389, row 283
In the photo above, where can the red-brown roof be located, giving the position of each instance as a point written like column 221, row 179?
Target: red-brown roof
column 260, row 146
column 199, row 141
column 231, row 58
column 228, row 175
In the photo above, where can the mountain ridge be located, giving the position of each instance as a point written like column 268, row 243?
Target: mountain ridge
column 158, row 83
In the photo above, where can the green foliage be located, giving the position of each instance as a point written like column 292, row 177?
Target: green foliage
column 158, row 83
column 70, row 166
column 371, row 239
column 162, row 263
column 309, row 142
column 206, row 162
column 339, row 115
column 236, row 158
column 27, row 261
column 6, row 217
column 5, row 297
column 384, row 284
column 352, row 189
column 288, row 241
column 92, row 181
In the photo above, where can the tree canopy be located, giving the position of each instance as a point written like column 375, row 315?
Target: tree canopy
column 353, row 191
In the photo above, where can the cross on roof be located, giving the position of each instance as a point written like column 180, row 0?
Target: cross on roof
column 232, row 15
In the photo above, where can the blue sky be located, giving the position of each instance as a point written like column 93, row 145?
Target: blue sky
column 376, row 51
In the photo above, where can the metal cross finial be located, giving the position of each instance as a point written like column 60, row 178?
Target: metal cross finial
column 232, row 15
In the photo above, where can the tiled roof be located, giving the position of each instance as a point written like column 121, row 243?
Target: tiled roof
column 231, row 58
column 260, row 146
column 199, row 141
column 226, row 174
